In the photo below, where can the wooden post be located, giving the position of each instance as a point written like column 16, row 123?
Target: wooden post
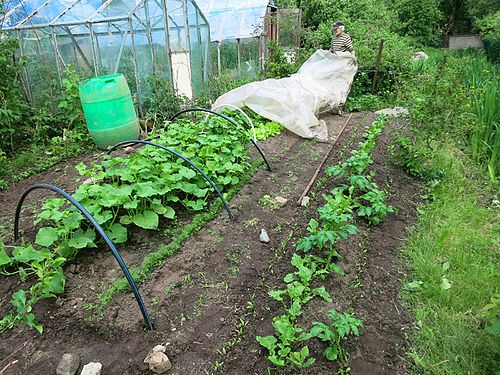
column 377, row 65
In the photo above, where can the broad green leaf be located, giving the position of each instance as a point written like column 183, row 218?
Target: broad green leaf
column 19, row 300
column 157, row 207
column 146, row 220
column 27, row 254
column 46, row 236
column 131, row 204
column 321, row 291
column 125, row 220
column 82, row 239
column 4, row 258
column 289, row 278
column 117, row 233
column 331, row 353
column 72, row 221
column 55, row 283
column 268, row 342
column 276, row 360
column 32, row 322
column 66, row 251
column 169, row 213
column 187, row 173
column 414, row 284
column 145, row 189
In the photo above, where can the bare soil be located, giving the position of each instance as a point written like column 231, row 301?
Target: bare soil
column 218, row 281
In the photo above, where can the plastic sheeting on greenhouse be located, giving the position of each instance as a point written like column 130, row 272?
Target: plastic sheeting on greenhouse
column 154, row 43
column 321, row 85
column 230, row 19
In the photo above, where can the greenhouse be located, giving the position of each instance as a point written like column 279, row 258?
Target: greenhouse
column 241, row 31
column 145, row 40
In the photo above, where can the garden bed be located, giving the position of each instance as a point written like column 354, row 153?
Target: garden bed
column 209, row 300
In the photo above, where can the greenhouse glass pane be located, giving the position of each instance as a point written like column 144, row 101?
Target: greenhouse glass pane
column 80, row 11
column 75, row 50
column 41, row 66
column 196, row 55
column 178, row 37
column 250, row 64
column 234, row 19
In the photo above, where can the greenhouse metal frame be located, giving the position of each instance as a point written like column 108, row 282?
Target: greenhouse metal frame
column 144, row 39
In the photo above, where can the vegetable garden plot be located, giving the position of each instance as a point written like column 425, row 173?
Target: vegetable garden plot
column 211, row 297
column 137, row 190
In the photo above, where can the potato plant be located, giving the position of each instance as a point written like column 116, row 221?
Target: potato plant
column 360, row 195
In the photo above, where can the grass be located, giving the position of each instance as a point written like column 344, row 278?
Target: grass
column 483, row 84
column 455, row 240
column 36, row 158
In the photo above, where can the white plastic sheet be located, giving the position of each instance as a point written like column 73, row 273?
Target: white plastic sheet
column 321, row 85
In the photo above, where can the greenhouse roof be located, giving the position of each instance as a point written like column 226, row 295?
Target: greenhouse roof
column 37, row 13
column 230, row 19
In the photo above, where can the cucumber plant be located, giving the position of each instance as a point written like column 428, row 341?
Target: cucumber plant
column 140, row 190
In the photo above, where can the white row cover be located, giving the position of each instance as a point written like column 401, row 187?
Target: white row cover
column 229, row 19
column 321, row 85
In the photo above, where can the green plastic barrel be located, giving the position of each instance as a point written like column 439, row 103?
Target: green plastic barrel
column 109, row 110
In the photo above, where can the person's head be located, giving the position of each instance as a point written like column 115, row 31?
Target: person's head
column 338, row 28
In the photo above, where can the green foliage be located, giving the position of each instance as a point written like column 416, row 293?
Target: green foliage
column 59, row 109
column 162, row 103
column 420, row 19
column 491, row 314
column 14, row 109
column 455, row 96
column 138, row 190
column 335, row 223
column 489, row 28
column 342, row 326
column 218, row 85
column 366, row 102
column 277, row 65
column 453, row 255
column 364, row 196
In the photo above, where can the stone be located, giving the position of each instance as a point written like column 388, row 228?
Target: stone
column 420, row 56
column 305, row 201
column 92, row 368
column 264, row 237
column 129, row 150
column 393, row 112
column 280, row 201
column 157, row 360
column 88, row 181
column 68, row 365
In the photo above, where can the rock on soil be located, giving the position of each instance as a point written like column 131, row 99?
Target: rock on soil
column 68, row 365
column 157, row 360
column 280, row 201
column 393, row 112
column 92, row 368
column 264, row 237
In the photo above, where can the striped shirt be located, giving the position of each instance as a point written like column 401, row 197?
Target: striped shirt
column 342, row 43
